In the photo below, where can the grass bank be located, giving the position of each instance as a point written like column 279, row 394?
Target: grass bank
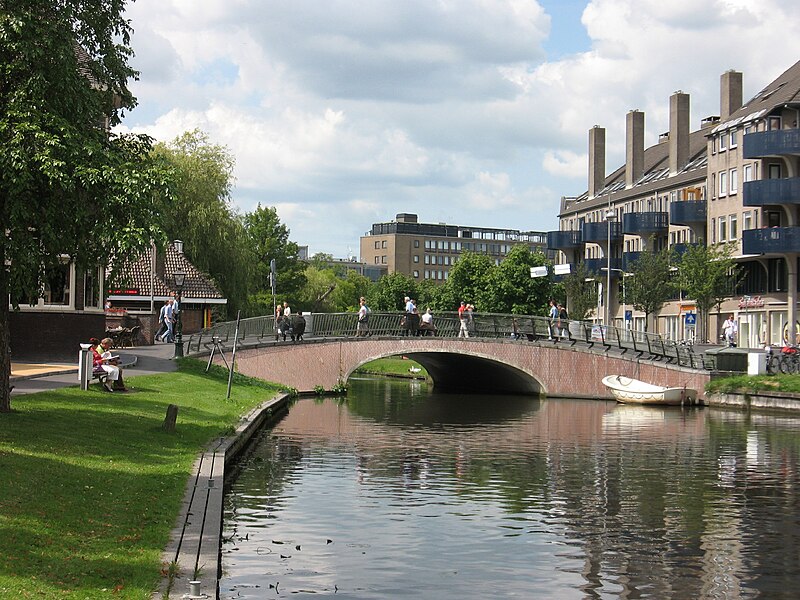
column 393, row 367
column 91, row 484
column 789, row 384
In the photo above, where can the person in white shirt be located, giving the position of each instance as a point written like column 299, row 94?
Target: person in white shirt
column 729, row 330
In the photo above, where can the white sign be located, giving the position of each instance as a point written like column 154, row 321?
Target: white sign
column 562, row 269
column 538, row 271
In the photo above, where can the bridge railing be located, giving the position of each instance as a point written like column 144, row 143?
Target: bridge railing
column 482, row 325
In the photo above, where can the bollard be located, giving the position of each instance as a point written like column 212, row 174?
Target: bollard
column 85, row 365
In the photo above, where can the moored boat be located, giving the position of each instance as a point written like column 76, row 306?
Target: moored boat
column 630, row 390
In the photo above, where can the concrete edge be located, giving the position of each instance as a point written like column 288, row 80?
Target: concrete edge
column 195, row 541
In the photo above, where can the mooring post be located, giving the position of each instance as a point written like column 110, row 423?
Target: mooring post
column 169, row 420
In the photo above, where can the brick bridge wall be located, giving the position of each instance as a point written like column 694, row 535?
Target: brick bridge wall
column 555, row 370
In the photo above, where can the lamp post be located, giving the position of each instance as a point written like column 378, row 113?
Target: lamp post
column 180, row 279
column 609, row 219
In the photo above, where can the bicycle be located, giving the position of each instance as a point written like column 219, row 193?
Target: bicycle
column 773, row 362
column 789, row 360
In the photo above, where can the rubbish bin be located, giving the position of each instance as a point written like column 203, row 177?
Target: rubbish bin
column 756, row 363
column 85, row 366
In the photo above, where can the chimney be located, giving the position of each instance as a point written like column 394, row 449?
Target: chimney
column 730, row 93
column 160, row 262
column 597, row 160
column 634, row 147
column 178, row 245
column 678, row 131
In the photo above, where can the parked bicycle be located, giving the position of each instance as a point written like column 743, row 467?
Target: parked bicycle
column 790, row 359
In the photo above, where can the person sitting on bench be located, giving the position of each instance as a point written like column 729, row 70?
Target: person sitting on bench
column 104, row 360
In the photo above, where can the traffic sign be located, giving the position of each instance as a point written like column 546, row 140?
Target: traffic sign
column 690, row 319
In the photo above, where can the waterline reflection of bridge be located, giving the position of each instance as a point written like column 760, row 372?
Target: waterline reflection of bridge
column 489, row 360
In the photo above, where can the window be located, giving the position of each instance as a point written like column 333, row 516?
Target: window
column 723, row 184
column 723, row 142
column 416, row 243
column 92, row 296
column 723, row 229
column 747, row 221
column 377, row 245
column 747, row 173
column 427, row 274
column 713, row 231
column 774, row 123
column 733, row 231
column 733, row 183
column 734, row 138
column 427, row 259
column 774, row 171
column 427, row 244
column 416, row 258
column 383, row 244
column 57, row 285
column 714, row 186
column 383, row 259
column 416, row 274
column 377, row 260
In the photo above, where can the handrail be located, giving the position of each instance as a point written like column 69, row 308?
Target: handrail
column 256, row 330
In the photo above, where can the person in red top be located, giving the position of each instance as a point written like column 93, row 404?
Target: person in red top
column 102, row 359
column 463, row 319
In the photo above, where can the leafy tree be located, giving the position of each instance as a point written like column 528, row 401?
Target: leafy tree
column 316, row 294
column 202, row 214
column 509, row 287
column 268, row 239
column 66, row 184
column 581, row 293
column 708, row 274
column 466, row 282
column 387, row 294
column 651, row 285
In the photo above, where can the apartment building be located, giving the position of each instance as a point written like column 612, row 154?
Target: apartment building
column 428, row 251
column 734, row 180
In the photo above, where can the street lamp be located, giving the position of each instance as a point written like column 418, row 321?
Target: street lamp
column 609, row 219
column 180, row 279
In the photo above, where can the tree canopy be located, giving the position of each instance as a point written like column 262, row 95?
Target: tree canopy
column 651, row 285
column 66, row 184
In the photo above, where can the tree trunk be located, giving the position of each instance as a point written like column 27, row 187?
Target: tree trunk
column 171, row 418
column 5, row 343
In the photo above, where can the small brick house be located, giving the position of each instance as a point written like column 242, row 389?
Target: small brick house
column 149, row 282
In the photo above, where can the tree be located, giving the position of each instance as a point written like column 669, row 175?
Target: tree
column 66, row 184
column 466, row 282
column 269, row 239
column 651, row 285
column 581, row 293
column 708, row 274
column 509, row 287
column 203, row 216
column 388, row 293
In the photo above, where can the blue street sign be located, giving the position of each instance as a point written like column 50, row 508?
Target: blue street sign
column 628, row 315
column 690, row 319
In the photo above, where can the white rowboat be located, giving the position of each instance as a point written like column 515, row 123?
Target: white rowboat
column 626, row 390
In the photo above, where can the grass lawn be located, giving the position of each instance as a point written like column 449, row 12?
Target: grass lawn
column 755, row 383
column 90, row 485
column 392, row 366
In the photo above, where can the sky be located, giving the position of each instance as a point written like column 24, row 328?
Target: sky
column 341, row 114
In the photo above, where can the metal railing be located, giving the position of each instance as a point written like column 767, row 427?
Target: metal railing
column 594, row 337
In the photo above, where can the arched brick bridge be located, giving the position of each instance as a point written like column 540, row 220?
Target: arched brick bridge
column 475, row 364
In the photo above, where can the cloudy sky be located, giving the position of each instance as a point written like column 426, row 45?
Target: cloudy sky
column 473, row 112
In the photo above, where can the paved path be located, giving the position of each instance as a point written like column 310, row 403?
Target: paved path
column 28, row 378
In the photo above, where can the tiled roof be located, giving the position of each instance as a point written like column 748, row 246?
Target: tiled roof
column 197, row 286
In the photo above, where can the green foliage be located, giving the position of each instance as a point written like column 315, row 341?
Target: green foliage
column 319, row 390
column 651, row 286
column 708, row 275
column 66, row 185
column 749, row 384
column 581, row 292
column 466, row 282
column 388, row 293
column 509, row 287
column 340, row 387
column 268, row 239
column 203, row 216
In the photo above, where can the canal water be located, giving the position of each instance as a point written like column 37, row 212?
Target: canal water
column 396, row 492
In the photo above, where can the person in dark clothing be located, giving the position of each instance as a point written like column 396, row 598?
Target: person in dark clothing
column 298, row 327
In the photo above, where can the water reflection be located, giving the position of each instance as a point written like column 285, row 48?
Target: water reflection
column 399, row 493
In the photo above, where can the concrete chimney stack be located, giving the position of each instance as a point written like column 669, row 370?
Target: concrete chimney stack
column 730, row 93
column 597, row 160
column 634, row 147
column 678, row 131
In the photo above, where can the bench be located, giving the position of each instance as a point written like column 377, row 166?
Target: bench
column 99, row 374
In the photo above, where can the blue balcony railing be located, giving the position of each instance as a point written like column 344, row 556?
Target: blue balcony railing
column 771, row 143
column 563, row 240
column 644, row 223
column 598, row 232
column 687, row 212
column 772, row 240
column 597, row 266
column 771, row 191
column 628, row 258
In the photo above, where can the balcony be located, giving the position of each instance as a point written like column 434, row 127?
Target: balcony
column 771, row 143
column 645, row 223
column 598, row 232
column 774, row 240
column 772, row 191
column 628, row 258
column 597, row 266
column 563, row 240
column 687, row 212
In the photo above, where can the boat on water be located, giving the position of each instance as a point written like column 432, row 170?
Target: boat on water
column 627, row 390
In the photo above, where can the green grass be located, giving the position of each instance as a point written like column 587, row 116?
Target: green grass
column 395, row 367
column 755, row 383
column 91, row 486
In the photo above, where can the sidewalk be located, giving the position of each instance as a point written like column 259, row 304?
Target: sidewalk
column 28, row 378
